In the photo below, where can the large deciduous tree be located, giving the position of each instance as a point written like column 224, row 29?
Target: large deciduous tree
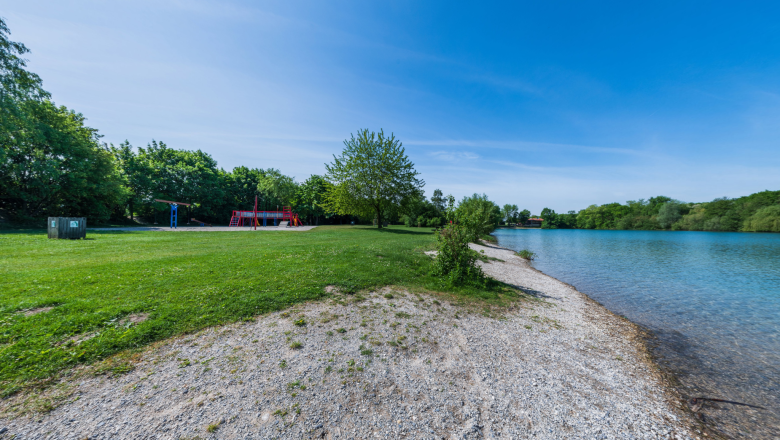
column 57, row 167
column 439, row 201
column 159, row 172
column 137, row 174
column 523, row 216
column 372, row 177
column 509, row 213
column 309, row 198
column 242, row 187
column 278, row 189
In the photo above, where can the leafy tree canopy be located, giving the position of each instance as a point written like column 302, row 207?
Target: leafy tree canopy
column 57, row 167
column 278, row 189
column 159, row 172
column 478, row 215
column 509, row 213
column 523, row 216
column 439, row 201
column 372, row 177
column 310, row 197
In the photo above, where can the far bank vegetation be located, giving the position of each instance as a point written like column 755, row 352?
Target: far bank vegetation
column 759, row 212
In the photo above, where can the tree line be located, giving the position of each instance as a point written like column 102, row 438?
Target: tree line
column 759, row 212
column 159, row 172
column 53, row 164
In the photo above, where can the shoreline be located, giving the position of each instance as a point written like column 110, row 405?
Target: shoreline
column 708, row 330
column 693, row 401
column 644, row 338
column 636, row 335
column 387, row 364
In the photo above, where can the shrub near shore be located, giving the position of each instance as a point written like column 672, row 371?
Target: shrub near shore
column 455, row 261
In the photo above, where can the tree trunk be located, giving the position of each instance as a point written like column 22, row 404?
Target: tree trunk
column 379, row 218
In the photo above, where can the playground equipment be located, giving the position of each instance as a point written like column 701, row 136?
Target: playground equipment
column 174, row 211
column 252, row 218
column 202, row 223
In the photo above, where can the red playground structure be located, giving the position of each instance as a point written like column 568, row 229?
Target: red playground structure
column 252, row 218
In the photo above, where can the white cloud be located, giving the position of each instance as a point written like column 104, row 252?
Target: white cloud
column 453, row 156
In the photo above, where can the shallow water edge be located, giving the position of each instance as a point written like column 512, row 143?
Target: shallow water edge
column 693, row 383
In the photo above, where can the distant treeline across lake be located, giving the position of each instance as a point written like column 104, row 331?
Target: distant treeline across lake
column 759, row 212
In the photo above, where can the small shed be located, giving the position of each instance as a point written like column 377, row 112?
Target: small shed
column 534, row 222
column 67, row 227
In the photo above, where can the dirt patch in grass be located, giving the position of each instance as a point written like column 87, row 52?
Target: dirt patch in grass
column 135, row 318
column 37, row 311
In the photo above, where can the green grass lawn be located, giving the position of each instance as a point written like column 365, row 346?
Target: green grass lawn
column 184, row 281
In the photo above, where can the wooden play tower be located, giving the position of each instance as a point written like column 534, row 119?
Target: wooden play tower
column 252, row 218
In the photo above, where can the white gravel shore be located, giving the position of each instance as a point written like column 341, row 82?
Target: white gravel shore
column 406, row 366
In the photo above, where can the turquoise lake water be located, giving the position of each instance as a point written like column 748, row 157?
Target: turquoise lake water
column 711, row 299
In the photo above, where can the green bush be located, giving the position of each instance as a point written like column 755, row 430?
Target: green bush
column 712, row 224
column 455, row 260
column 669, row 214
column 766, row 219
column 693, row 221
column 478, row 215
column 526, row 254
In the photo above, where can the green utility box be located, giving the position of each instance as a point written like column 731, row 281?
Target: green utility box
column 67, row 227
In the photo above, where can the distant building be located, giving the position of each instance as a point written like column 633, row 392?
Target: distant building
column 534, row 222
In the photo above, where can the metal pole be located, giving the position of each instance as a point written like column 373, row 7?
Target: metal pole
column 255, row 212
column 174, row 215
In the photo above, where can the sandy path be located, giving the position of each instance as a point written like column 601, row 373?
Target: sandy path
column 403, row 367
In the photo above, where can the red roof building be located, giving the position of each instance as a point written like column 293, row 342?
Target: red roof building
column 534, row 222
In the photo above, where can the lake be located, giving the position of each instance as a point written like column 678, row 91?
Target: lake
column 712, row 301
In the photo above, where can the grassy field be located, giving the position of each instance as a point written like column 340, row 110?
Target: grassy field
column 178, row 282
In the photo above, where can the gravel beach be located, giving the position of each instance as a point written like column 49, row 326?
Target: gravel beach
column 385, row 364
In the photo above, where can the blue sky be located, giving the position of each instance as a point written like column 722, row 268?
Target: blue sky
column 540, row 104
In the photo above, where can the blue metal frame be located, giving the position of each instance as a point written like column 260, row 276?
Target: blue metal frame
column 174, row 215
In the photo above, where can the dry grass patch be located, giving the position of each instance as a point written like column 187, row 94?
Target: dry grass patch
column 36, row 311
column 134, row 319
